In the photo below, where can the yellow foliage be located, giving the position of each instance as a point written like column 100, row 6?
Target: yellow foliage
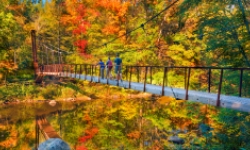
column 165, row 99
column 11, row 141
column 8, row 65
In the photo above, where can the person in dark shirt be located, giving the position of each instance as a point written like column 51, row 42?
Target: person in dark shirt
column 109, row 68
column 102, row 67
column 118, row 66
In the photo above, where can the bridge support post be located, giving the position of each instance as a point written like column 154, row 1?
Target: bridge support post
column 34, row 52
column 219, row 90
column 80, row 72
column 71, row 71
column 68, row 71
column 75, row 70
column 85, row 69
column 126, row 72
column 130, row 76
column 92, row 70
column 187, row 84
column 163, row 81
column 240, row 86
column 138, row 74
column 145, row 79
column 151, row 77
column 209, row 79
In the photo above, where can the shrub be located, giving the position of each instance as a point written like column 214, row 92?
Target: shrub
column 50, row 92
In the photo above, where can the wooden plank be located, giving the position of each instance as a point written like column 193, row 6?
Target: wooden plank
column 47, row 130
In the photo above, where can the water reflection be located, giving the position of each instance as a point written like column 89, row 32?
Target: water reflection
column 125, row 123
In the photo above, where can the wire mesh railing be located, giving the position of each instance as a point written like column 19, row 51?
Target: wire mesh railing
column 220, row 80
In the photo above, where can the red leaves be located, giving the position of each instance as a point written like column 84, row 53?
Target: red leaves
column 81, row 45
column 82, row 25
column 82, row 147
column 92, row 132
column 89, row 134
column 81, row 10
column 84, row 138
column 81, row 28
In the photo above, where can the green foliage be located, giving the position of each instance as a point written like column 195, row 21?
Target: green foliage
column 19, row 91
column 7, row 25
column 50, row 92
column 4, row 134
column 158, row 78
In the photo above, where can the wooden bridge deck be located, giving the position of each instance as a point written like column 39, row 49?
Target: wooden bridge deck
column 47, row 130
column 233, row 102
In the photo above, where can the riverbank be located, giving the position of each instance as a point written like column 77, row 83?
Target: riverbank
column 58, row 89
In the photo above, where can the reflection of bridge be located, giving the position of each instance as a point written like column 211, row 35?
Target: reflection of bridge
column 200, row 84
column 44, row 130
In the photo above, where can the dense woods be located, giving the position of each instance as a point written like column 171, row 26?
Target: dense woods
column 148, row 32
column 144, row 32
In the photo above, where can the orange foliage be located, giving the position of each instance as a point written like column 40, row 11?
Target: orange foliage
column 9, row 142
column 134, row 135
column 8, row 65
column 82, row 147
column 120, row 8
column 93, row 13
column 86, row 117
column 110, row 29
column 92, row 132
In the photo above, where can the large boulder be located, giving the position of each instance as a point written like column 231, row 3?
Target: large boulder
column 54, row 144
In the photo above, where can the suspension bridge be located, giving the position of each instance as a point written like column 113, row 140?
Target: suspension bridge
column 219, row 86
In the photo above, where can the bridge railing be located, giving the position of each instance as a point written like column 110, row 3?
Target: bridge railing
column 225, row 80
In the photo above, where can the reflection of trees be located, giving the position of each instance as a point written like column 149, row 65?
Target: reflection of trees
column 131, row 124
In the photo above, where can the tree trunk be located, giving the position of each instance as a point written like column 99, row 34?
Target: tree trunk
column 241, row 49
column 244, row 16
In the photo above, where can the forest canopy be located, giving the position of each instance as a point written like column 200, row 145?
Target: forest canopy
column 144, row 32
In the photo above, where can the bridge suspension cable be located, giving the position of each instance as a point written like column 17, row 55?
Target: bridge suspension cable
column 141, row 26
column 60, row 50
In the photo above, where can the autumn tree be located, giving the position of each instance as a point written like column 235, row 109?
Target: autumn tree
column 224, row 27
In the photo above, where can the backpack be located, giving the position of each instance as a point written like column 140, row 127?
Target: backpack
column 110, row 65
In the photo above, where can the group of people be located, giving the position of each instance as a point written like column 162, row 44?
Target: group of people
column 109, row 66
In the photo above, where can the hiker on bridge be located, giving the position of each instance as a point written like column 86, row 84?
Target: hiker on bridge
column 102, row 67
column 118, row 66
column 109, row 65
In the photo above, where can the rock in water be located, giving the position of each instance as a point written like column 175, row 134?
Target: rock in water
column 176, row 140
